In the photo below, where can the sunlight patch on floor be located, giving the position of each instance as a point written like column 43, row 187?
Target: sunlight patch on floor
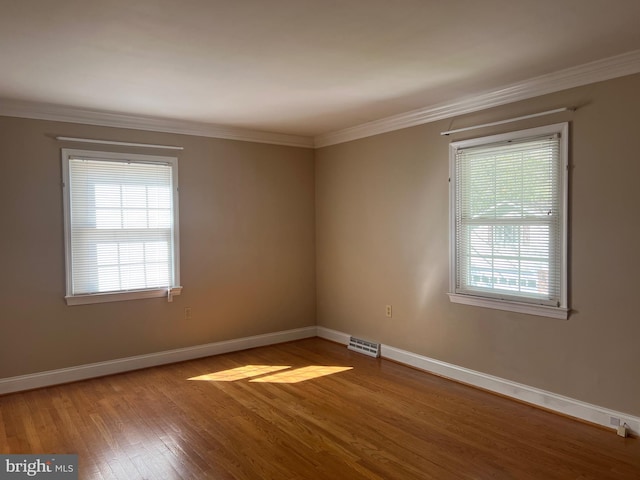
column 248, row 371
column 261, row 373
column 300, row 374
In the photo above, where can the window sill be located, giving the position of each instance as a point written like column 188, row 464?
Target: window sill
column 121, row 296
column 530, row 309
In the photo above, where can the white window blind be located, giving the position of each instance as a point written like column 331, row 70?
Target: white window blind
column 509, row 219
column 121, row 223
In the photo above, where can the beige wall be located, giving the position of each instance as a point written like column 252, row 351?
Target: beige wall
column 247, row 250
column 382, row 238
column 253, row 236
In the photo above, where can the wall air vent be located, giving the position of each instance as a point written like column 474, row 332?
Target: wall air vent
column 363, row 346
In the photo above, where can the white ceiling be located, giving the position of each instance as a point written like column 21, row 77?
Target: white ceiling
column 300, row 67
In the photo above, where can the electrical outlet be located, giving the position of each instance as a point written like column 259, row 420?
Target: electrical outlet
column 388, row 311
column 187, row 313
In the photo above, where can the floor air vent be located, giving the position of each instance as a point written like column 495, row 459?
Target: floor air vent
column 362, row 346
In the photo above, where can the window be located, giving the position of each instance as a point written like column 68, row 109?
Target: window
column 121, row 226
column 508, row 212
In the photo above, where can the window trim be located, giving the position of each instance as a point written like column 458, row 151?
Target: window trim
column 562, row 310
column 84, row 299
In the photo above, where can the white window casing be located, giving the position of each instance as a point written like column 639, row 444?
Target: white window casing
column 508, row 200
column 120, row 225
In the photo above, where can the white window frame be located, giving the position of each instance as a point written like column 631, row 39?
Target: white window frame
column 560, row 311
column 82, row 299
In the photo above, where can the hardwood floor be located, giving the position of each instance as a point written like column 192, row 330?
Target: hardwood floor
column 376, row 420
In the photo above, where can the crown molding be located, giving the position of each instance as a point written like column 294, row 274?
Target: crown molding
column 598, row 71
column 59, row 113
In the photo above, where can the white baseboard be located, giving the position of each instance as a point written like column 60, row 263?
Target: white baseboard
column 92, row 370
column 565, row 405
column 535, row 396
column 333, row 335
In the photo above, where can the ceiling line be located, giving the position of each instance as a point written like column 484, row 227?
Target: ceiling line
column 597, row 71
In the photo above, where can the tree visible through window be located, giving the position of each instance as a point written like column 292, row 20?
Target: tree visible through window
column 508, row 211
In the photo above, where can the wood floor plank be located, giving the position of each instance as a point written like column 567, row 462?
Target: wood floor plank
column 378, row 420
